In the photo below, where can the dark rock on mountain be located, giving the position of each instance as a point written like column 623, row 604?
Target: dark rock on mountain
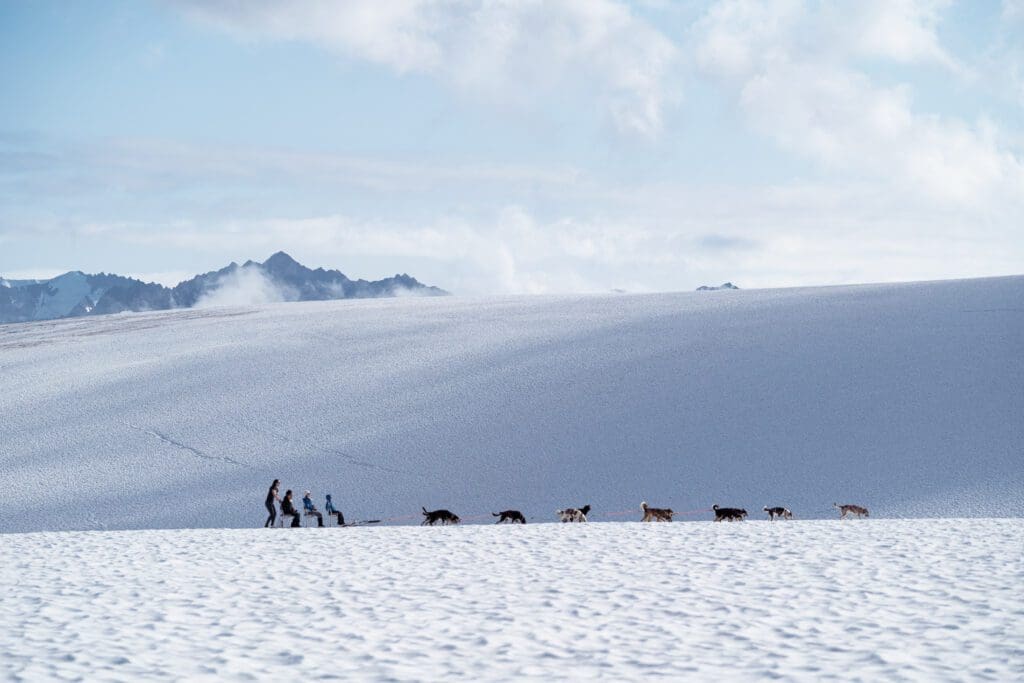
column 77, row 294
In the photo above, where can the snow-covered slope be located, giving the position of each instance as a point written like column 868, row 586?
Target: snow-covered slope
column 926, row 600
column 905, row 398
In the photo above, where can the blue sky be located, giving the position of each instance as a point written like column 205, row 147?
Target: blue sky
column 505, row 146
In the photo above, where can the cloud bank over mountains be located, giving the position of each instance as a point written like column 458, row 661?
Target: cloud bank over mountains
column 573, row 146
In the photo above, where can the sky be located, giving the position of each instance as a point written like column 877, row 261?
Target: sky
column 516, row 146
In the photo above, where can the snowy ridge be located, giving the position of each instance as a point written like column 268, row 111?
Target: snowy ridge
column 872, row 600
column 902, row 398
column 279, row 278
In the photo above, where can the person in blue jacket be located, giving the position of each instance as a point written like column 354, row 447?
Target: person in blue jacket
column 307, row 502
column 331, row 510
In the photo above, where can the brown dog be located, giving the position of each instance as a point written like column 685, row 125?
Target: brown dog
column 655, row 514
column 850, row 510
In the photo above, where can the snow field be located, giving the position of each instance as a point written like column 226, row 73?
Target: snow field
column 812, row 600
column 904, row 398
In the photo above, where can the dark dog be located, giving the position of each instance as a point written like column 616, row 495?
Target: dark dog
column 510, row 516
column 655, row 514
column 443, row 516
column 730, row 514
column 574, row 514
column 851, row 510
column 782, row 512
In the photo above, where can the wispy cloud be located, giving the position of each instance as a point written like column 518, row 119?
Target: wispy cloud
column 794, row 74
column 242, row 287
column 515, row 52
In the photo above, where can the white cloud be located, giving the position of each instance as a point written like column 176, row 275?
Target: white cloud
column 242, row 287
column 511, row 51
column 662, row 237
column 900, row 30
column 792, row 71
column 1013, row 10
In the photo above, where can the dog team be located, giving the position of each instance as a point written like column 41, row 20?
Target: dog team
column 650, row 514
column 567, row 515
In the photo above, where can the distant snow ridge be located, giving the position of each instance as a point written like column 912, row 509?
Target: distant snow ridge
column 903, row 398
column 707, row 288
column 279, row 278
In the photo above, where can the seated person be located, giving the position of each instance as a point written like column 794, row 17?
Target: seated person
column 331, row 510
column 288, row 508
column 307, row 502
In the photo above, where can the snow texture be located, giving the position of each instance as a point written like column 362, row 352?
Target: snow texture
column 906, row 399
column 804, row 600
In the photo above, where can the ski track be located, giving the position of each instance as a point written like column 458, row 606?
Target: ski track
column 345, row 457
column 191, row 449
column 805, row 600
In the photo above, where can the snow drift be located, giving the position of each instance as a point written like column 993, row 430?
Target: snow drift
column 881, row 600
column 905, row 398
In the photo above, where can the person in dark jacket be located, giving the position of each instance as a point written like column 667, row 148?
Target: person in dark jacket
column 272, row 498
column 288, row 508
column 331, row 510
column 307, row 503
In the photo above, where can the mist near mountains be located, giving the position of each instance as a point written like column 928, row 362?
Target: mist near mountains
column 279, row 278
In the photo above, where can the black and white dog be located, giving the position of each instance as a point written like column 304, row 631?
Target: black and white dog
column 573, row 514
column 782, row 512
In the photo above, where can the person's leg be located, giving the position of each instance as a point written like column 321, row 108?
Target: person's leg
column 273, row 515
column 296, row 520
column 341, row 518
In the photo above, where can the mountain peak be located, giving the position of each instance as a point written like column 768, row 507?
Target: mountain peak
column 279, row 278
column 280, row 258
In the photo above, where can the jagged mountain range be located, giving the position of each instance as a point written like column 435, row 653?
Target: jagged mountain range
column 279, row 278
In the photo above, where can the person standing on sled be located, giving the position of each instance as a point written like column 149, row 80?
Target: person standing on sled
column 288, row 508
column 307, row 502
column 272, row 498
column 331, row 510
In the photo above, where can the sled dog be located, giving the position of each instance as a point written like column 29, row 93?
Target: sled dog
column 443, row 516
column 655, row 514
column 730, row 514
column 782, row 512
column 850, row 510
column 510, row 516
column 573, row 514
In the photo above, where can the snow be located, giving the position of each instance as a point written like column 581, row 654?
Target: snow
column 864, row 600
column 69, row 290
column 903, row 398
